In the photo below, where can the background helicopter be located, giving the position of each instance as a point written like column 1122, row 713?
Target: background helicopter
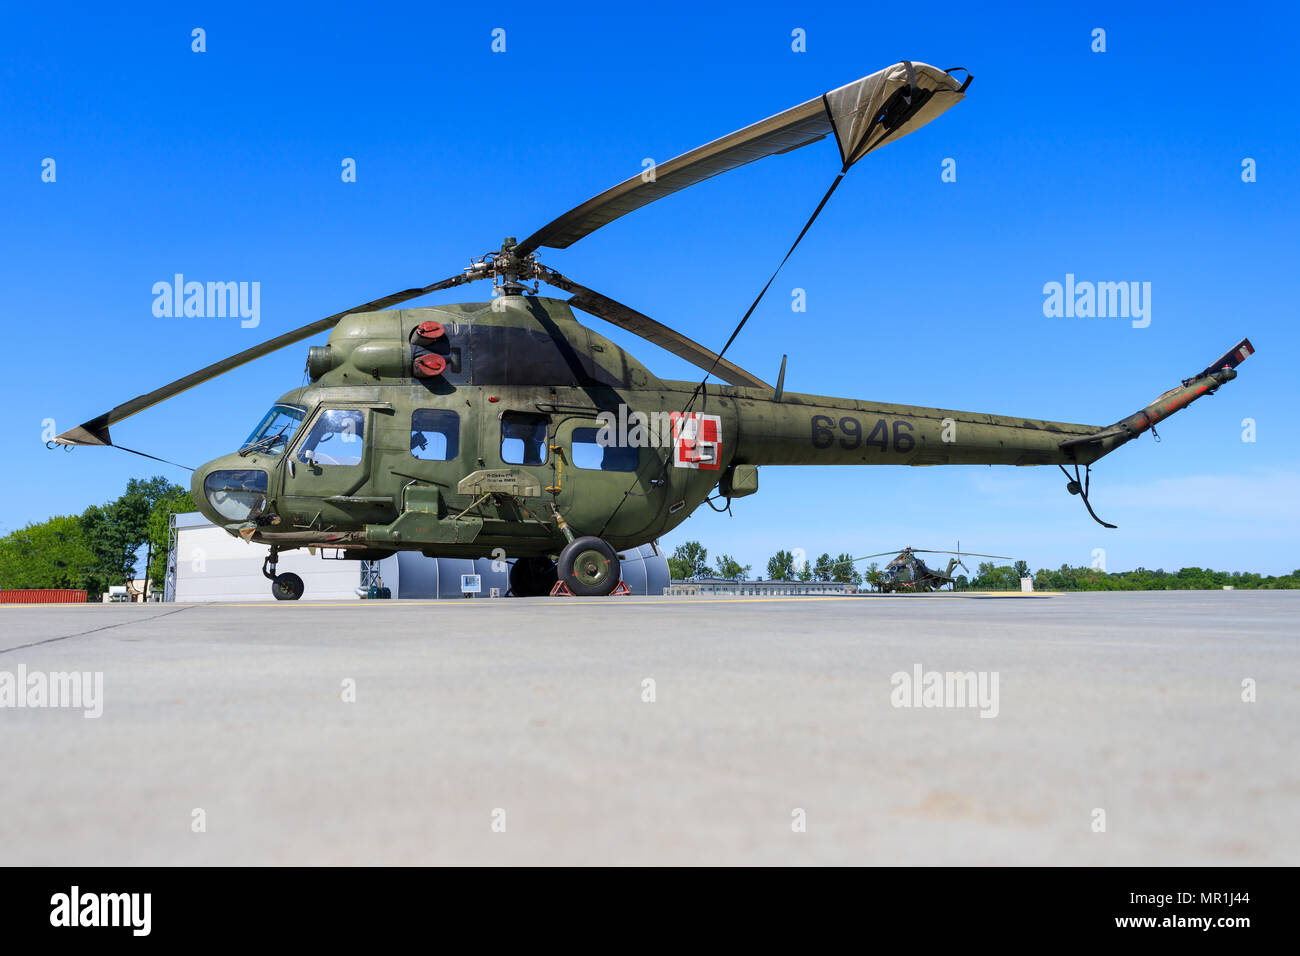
column 908, row 573
column 476, row 429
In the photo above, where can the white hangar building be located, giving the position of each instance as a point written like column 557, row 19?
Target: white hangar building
column 206, row 564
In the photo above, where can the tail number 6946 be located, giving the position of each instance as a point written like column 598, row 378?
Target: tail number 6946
column 884, row 435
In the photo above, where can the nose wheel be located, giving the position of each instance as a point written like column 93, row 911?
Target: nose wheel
column 287, row 587
column 284, row 587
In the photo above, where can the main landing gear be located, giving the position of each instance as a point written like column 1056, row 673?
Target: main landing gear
column 588, row 567
column 284, row 587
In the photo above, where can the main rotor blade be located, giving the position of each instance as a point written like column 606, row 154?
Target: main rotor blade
column 95, row 431
column 863, row 115
column 647, row 328
column 968, row 554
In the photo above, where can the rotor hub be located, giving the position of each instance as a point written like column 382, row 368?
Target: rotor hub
column 509, row 271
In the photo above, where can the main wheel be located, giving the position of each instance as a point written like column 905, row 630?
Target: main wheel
column 287, row 587
column 532, row 577
column 589, row 566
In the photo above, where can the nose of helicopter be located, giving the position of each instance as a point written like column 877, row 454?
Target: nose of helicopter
column 228, row 491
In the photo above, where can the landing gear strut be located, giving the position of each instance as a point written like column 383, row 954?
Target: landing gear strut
column 284, row 587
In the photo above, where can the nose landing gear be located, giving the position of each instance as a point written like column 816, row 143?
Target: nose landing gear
column 287, row 586
column 284, row 587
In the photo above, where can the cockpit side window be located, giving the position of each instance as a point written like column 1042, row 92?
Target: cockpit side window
column 523, row 438
column 337, row 438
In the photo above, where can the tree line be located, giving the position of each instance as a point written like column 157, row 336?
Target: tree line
column 689, row 562
column 1066, row 578
column 1140, row 579
column 98, row 548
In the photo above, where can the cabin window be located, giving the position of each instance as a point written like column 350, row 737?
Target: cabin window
column 435, row 434
column 337, row 438
column 589, row 453
column 523, row 439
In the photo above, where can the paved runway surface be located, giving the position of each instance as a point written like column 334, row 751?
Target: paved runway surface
column 1126, row 703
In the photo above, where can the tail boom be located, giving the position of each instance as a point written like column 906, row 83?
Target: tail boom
column 800, row 429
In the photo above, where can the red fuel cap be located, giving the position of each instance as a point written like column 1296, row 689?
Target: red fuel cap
column 430, row 331
column 427, row 366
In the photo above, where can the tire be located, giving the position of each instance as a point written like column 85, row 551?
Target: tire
column 589, row 567
column 287, row 587
column 532, row 577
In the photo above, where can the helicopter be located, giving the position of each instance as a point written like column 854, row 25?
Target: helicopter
column 508, row 427
column 909, row 574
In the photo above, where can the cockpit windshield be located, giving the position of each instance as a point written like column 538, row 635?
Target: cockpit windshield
column 275, row 431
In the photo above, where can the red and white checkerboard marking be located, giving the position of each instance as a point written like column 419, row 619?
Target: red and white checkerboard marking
column 697, row 441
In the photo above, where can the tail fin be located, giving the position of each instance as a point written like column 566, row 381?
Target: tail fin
column 1230, row 359
column 1206, row 382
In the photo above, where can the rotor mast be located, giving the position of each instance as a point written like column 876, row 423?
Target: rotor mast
column 509, row 270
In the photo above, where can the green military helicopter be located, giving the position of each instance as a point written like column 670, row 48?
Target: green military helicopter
column 507, row 428
column 906, row 573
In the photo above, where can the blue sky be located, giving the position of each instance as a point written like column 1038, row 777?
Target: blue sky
column 1115, row 166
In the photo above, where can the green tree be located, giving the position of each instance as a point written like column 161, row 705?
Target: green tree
column 1067, row 578
column 990, row 577
column 106, row 542
column 1022, row 569
column 177, row 502
column 689, row 561
column 116, row 531
column 731, row 569
column 844, row 570
column 51, row 554
column 780, row 567
column 823, row 570
column 805, row 572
